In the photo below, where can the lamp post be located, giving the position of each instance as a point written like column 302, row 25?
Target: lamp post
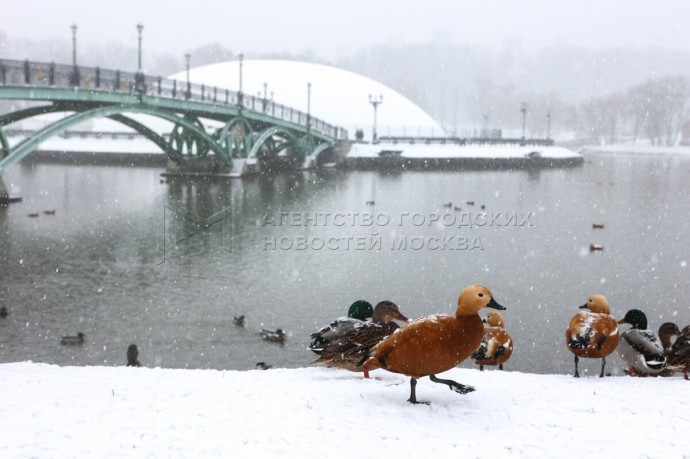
column 139, row 78
column 309, row 105
column 74, row 75
column 523, row 110
column 548, row 125
column 375, row 103
column 239, row 93
column 188, row 93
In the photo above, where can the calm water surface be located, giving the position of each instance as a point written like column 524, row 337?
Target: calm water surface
column 117, row 263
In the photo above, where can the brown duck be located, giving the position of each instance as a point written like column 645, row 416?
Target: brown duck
column 348, row 349
column 497, row 345
column 678, row 353
column 436, row 343
column 592, row 334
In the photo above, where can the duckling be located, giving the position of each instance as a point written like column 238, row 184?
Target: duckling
column 640, row 347
column 133, row 356
column 497, row 345
column 678, row 353
column 263, row 366
column 592, row 334
column 3, row 312
column 71, row 340
column 239, row 321
column 277, row 336
column 347, row 350
column 436, row 343
column 359, row 311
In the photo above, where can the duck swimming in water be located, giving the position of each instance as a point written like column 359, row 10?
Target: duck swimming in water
column 436, row 343
column 497, row 345
column 358, row 313
column 592, row 334
column 639, row 347
column 72, row 340
column 238, row 321
column 347, row 350
column 277, row 336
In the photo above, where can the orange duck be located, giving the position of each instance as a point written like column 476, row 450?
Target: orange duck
column 434, row 344
column 592, row 334
column 497, row 345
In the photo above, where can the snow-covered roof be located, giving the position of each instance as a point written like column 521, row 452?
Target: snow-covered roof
column 338, row 97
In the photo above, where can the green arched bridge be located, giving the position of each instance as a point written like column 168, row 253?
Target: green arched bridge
column 245, row 128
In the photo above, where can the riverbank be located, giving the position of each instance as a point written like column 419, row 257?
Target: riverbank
column 87, row 412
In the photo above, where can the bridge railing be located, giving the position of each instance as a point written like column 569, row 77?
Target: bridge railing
column 27, row 73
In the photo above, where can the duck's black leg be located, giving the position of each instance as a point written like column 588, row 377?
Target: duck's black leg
column 452, row 385
column 413, row 395
column 603, row 364
column 500, row 366
column 577, row 359
column 481, row 367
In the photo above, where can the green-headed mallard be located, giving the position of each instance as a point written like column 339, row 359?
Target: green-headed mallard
column 359, row 312
column 639, row 347
column 346, row 351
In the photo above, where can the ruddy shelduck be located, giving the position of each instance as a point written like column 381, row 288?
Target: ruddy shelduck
column 592, row 334
column 497, row 345
column 436, row 343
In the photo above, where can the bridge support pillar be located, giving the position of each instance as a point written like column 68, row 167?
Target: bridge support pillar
column 4, row 195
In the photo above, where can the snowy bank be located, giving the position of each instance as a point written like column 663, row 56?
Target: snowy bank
column 57, row 412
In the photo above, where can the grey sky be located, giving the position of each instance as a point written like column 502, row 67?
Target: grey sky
column 334, row 28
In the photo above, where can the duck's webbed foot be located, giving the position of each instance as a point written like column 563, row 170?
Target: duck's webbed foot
column 413, row 394
column 452, row 385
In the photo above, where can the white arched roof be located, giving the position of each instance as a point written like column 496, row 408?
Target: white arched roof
column 338, row 97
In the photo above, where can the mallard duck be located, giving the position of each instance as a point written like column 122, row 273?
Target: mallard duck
column 347, row 350
column 448, row 204
column 49, row 212
column 639, row 347
column 678, row 353
column 277, row 336
column 497, row 345
column 133, row 356
column 592, row 334
column 263, row 366
column 70, row 340
column 238, row 321
column 33, row 214
column 436, row 343
column 3, row 312
column 359, row 311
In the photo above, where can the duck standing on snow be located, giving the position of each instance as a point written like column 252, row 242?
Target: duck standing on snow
column 435, row 343
column 497, row 345
column 133, row 356
column 359, row 312
column 277, row 336
column 639, row 347
column 347, row 350
column 592, row 334
column 678, row 353
column 72, row 340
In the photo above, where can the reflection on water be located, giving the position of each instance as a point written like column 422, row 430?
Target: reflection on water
column 126, row 259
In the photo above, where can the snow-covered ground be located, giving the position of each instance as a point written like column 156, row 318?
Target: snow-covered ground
column 366, row 150
column 98, row 412
column 638, row 148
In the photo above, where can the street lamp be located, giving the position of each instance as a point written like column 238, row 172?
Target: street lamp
column 309, row 105
column 239, row 93
column 74, row 75
column 188, row 94
column 375, row 103
column 139, row 79
column 523, row 110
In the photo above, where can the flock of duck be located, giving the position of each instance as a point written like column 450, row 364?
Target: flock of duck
column 382, row 337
